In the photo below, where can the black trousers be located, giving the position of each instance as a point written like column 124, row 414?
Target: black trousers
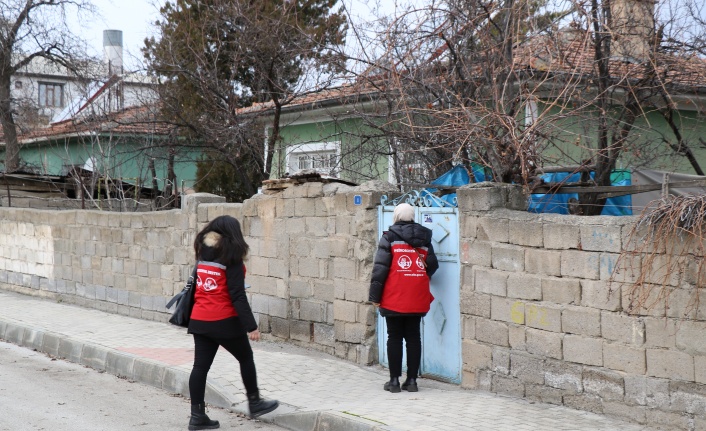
column 407, row 328
column 205, row 349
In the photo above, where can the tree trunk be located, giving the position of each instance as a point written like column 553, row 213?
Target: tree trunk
column 155, row 186
column 9, row 128
column 172, row 190
column 590, row 204
column 273, row 138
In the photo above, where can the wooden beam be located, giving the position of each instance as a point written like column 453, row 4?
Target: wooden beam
column 612, row 191
column 567, row 169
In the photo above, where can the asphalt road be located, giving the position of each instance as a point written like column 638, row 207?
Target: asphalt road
column 40, row 393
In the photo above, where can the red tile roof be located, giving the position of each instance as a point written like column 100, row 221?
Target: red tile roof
column 570, row 51
column 141, row 120
column 346, row 93
column 567, row 52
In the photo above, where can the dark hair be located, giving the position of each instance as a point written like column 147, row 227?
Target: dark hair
column 230, row 249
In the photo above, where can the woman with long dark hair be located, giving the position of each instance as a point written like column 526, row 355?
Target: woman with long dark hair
column 222, row 316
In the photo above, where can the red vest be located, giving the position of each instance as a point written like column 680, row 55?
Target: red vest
column 211, row 299
column 406, row 288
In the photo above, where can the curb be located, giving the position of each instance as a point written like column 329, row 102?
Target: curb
column 172, row 379
column 327, row 421
column 109, row 360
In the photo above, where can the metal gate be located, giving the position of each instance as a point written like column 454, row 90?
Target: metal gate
column 441, row 327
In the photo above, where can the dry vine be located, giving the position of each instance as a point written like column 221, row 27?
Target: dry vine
column 667, row 253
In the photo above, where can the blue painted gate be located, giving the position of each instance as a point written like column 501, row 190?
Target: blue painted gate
column 441, row 328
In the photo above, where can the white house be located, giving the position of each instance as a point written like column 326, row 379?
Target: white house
column 46, row 93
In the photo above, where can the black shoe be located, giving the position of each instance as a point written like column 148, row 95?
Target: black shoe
column 258, row 406
column 199, row 420
column 410, row 385
column 393, row 385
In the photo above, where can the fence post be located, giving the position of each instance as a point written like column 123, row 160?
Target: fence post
column 665, row 185
column 9, row 196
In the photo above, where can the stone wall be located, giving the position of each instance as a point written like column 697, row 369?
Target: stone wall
column 542, row 321
column 540, row 318
column 110, row 204
column 309, row 262
column 125, row 263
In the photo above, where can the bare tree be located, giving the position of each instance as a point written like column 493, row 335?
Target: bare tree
column 517, row 85
column 639, row 68
column 31, row 29
column 452, row 91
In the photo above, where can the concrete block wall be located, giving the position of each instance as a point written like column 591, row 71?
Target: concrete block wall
column 125, row 263
column 309, row 265
column 110, row 204
column 542, row 320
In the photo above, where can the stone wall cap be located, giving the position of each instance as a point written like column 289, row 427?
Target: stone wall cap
column 567, row 219
column 331, row 189
column 375, row 186
column 202, row 195
column 191, row 201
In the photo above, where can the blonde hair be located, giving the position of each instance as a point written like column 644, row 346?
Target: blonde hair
column 403, row 212
column 211, row 239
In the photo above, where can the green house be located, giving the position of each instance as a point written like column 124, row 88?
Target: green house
column 130, row 146
column 334, row 131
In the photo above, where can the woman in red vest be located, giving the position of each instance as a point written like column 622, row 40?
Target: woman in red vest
column 404, row 263
column 222, row 316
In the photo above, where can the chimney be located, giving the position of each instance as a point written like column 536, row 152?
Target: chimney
column 113, row 51
column 633, row 29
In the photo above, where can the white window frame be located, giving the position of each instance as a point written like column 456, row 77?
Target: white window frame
column 314, row 148
column 392, row 169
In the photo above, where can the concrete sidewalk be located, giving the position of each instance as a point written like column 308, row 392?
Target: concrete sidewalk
column 317, row 392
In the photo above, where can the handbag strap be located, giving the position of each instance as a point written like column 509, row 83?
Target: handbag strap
column 192, row 278
column 186, row 289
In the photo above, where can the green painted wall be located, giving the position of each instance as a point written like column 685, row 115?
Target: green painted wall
column 125, row 158
column 570, row 141
column 573, row 141
column 361, row 160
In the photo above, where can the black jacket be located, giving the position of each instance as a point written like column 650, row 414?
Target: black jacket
column 413, row 234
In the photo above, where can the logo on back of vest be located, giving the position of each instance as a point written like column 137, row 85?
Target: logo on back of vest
column 404, row 262
column 210, row 284
column 420, row 264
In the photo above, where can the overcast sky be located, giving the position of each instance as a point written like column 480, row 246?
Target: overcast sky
column 136, row 17
column 133, row 17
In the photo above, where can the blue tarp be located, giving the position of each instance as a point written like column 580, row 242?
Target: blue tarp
column 558, row 203
column 479, row 173
column 541, row 203
column 457, row 176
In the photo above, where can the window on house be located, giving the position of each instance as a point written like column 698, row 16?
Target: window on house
column 324, row 158
column 51, row 95
column 415, row 173
column 408, row 167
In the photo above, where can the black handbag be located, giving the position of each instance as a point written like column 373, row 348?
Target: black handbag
column 184, row 301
